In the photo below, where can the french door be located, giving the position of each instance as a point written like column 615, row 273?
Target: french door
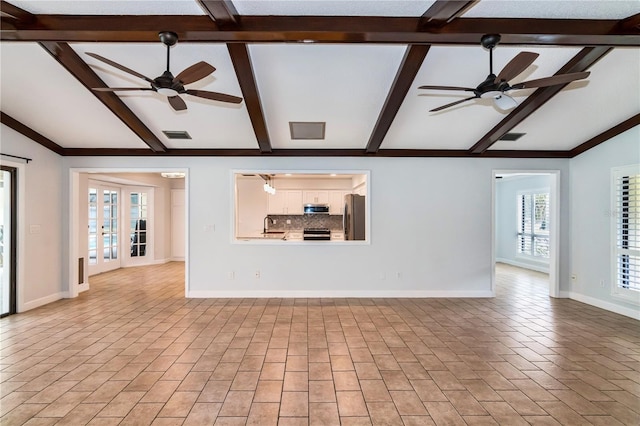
column 8, row 243
column 105, row 249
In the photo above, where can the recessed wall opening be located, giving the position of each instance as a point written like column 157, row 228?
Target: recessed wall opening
column 301, row 207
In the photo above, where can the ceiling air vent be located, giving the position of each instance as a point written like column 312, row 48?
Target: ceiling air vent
column 176, row 134
column 307, row 129
column 511, row 136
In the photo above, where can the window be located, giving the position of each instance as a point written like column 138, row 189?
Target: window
column 138, row 224
column 533, row 224
column 626, row 231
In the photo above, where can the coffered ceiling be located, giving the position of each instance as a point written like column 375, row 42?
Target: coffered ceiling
column 354, row 65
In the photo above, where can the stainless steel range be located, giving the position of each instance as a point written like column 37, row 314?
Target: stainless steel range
column 316, row 234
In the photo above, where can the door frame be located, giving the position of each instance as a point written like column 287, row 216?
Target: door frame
column 13, row 236
column 20, row 224
column 74, row 204
column 554, row 232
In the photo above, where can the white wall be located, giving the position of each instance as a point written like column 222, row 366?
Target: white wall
column 430, row 222
column 251, row 205
column 40, row 200
column 590, row 225
column 507, row 190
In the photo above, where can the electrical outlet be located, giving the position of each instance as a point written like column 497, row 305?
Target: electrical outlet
column 288, row 221
column 275, row 221
column 231, row 275
column 257, row 274
column 602, row 283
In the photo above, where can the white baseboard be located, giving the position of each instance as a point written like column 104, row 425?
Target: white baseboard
column 176, row 259
column 284, row 294
column 27, row 306
column 152, row 262
column 538, row 268
column 612, row 307
column 83, row 287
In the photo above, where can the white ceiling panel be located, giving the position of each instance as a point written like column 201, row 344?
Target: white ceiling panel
column 211, row 124
column 461, row 126
column 342, row 85
column 333, row 7
column 41, row 94
column 111, row 7
column 584, row 109
column 554, row 9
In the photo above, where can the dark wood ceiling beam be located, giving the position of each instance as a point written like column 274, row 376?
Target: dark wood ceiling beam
column 630, row 24
column 581, row 62
column 330, row 29
column 70, row 60
column 606, row 135
column 30, row 133
column 409, row 67
column 424, row 153
column 244, row 71
column 16, row 13
column 222, row 11
column 444, row 11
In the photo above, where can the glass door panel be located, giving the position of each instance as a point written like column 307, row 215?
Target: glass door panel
column 103, row 244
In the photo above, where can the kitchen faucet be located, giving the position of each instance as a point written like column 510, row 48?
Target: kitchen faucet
column 264, row 228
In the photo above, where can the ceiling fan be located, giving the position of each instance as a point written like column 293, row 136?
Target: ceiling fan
column 167, row 84
column 496, row 86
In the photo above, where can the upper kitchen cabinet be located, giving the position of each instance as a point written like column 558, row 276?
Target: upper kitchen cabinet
column 315, row 197
column 336, row 201
column 285, row 202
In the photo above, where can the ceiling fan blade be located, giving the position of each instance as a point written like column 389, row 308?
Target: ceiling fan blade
column 120, row 67
column 466, row 89
column 552, row 81
column 517, row 65
column 214, row 96
column 505, row 102
column 440, row 108
column 177, row 103
column 194, row 73
column 118, row 89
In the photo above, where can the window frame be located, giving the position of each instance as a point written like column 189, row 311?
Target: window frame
column 519, row 196
column 617, row 291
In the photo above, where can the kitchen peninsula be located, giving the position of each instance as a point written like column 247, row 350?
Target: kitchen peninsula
column 308, row 208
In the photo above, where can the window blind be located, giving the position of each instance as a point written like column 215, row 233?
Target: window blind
column 533, row 226
column 627, row 224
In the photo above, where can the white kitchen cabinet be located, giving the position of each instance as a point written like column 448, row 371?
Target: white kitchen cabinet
column 316, row 197
column 294, row 202
column 336, row 201
column 285, row 202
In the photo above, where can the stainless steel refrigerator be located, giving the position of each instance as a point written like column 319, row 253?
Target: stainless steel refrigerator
column 354, row 217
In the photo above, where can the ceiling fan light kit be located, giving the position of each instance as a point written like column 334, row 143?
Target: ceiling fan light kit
column 496, row 86
column 168, row 85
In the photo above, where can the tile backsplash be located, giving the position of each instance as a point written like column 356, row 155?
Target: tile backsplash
column 333, row 222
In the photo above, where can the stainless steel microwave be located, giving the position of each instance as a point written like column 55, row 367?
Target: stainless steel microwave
column 316, row 209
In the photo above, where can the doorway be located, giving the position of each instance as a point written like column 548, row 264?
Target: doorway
column 131, row 207
column 8, row 240
column 525, row 223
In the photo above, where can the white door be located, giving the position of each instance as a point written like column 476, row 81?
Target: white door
column 104, row 214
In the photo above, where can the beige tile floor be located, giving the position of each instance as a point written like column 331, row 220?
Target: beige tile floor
column 134, row 351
